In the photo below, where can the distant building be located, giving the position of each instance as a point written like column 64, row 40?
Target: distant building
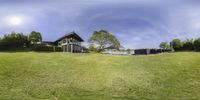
column 150, row 51
column 142, row 51
column 131, row 52
column 115, row 50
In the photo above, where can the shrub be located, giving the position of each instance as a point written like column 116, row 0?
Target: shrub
column 47, row 48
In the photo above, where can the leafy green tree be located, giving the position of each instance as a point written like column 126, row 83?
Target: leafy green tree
column 176, row 44
column 92, row 48
column 35, row 37
column 104, row 39
column 164, row 45
column 13, row 40
column 188, row 45
column 197, row 44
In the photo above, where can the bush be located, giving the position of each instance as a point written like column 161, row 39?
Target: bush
column 47, row 48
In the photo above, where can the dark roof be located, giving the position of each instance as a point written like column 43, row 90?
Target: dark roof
column 71, row 34
column 48, row 42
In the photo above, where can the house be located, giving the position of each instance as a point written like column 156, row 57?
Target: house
column 70, row 42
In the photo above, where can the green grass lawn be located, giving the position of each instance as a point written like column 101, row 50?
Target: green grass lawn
column 66, row 76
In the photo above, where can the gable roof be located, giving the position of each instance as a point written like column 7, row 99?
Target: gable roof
column 71, row 34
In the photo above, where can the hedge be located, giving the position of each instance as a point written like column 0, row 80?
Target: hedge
column 47, row 48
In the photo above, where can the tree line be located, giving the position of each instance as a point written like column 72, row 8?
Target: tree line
column 97, row 42
column 19, row 40
column 182, row 45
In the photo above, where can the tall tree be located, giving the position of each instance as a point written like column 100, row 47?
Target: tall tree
column 104, row 39
column 164, row 45
column 176, row 44
column 197, row 44
column 92, row 48
column 13, row 40
column 35, row 37
column 188, row 45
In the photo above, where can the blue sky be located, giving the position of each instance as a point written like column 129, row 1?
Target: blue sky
column 136, row 23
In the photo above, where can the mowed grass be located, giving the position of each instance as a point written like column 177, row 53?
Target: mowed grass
column 66, row 76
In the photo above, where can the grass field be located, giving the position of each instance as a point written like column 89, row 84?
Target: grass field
column 65, row 76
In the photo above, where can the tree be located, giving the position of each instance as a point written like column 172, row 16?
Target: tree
column 176, row 44
column 164, row 45
column 35, row 37
column 92, row 48
column 13, row 40
column 197, row 44
column 188, row 45
column 104, row 39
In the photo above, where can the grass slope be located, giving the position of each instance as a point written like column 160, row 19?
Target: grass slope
column 65, row 76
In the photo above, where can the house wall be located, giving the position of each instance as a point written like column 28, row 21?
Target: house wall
column 70, row 45
column 72, row 48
